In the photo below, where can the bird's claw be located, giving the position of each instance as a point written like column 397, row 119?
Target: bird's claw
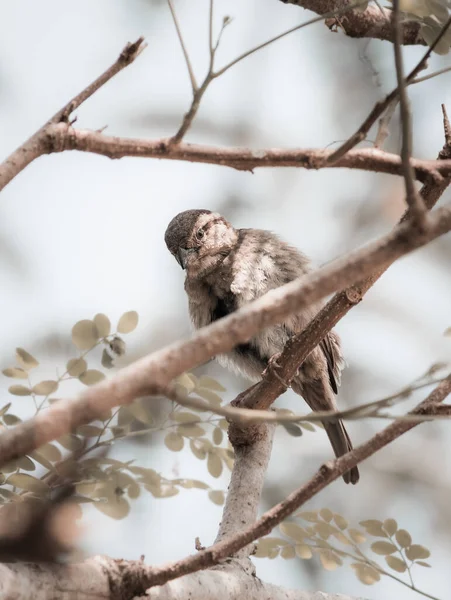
column 273, row 366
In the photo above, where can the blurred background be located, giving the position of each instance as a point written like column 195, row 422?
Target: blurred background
column 81, row 234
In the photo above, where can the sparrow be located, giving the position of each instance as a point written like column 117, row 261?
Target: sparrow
column 226, row 268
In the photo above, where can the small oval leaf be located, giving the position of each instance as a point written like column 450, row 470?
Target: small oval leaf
column 103, row 324
column 76, row 366
column 44, row 388
column 396, row 563
column 84, row 334
column 128, row 322
column 403, row 538
column 416, row 551
column 174, row 441
column 383, row 548
column 27, row 482
column 26, row 359
column 19, row 390
column 216, row 496
column 15, row 372
column 91, row 377
column 214, row 464
column 390, row 526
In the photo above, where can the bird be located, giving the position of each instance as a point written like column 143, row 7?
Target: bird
column 226, row 268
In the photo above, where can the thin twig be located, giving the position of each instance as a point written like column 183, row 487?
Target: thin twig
column 40, row 143
column 383, row 131
column 413, row 198
column 328, row 473
column 210, row 35
column 333, row 13
column 381, row 106
column 184, row 50
column 431, row 75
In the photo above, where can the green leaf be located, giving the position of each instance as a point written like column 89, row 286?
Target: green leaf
column 326, row 514
column 174, row 441
column 310, row 516
column 25, row 463
column 214, row 464
column 140, row 412
column 288, row 552
column 303, row 551
column 293, row 531
column 211, row 384
column 91, row 377
column 373, row 527
column 25, row 359
column 186, row 381
column 19, row 390
column 357, row 536
column 85, row 334
column 44, row 388
column 198, row 448
column 403, row 538
column 223, row 424
column 416, row 551
column 89, row 430
column 103, row 324
column 383, row 548
column 50, row 452
column 191, row 430
column 210, row 396
column 15, row 372
column 217, row 436
column 28, row 483
column 117, row 507
column 366, row 574
column 396, row 563
column 76, row 366
column 329, row 560
column 185, row 417
column 5, row 409
column 216, row 496
column 340, row 521
column 10, row 419
column 128, row 322
column 422, row 563
column 292, row 429
column 390, row 526
column 70, row 442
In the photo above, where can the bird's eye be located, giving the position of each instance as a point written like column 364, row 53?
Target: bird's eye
column 200, row 234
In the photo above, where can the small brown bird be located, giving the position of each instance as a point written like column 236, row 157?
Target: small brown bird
column 227, row 268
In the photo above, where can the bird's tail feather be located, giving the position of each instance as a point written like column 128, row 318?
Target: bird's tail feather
column 318, row 397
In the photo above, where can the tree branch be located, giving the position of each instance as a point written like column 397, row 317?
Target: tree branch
column 413, row 198
column 39, row 142
column 102, row 578
column 152, row 374
column 380, row 106
column 371, row 23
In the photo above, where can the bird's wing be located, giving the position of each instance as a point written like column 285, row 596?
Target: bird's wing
column 331, row 349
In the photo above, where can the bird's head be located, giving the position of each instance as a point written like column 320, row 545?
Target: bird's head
column 199, row 240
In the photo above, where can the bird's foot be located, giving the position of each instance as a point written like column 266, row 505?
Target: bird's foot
column 273, row 366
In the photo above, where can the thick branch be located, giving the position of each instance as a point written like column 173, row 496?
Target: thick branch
column 67, row 138
column 40, row 143
column 246, row 483
column 374, row 22
column 101, row 578
column 152, row 374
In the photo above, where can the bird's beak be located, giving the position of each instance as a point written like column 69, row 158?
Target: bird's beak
column 182, row 256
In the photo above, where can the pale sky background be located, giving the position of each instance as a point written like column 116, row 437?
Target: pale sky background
column 80, row 234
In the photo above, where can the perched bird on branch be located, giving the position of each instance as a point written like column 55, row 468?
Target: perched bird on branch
column 227, row 268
